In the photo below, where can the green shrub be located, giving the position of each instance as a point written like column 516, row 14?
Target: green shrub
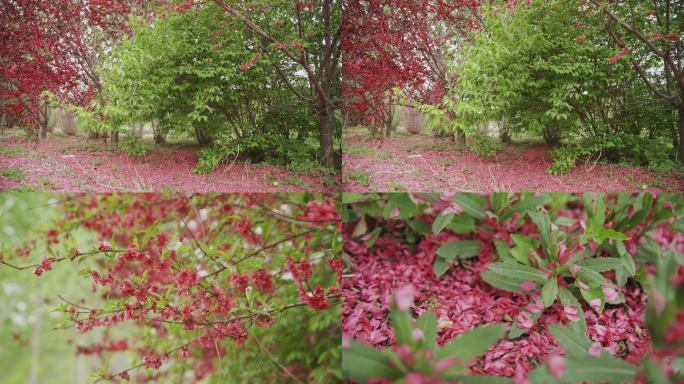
column 134, row 146
column 621, row 149
column 484, row 145
column 294, row 154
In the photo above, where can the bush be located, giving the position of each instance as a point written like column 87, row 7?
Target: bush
column 484, row 145
column 621, row 149
column 134, row 146
column 295, row 154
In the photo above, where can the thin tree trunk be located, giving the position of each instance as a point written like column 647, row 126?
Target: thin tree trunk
column 326, row 128
column 681, row 133
column 460, row 137
column 35, row 351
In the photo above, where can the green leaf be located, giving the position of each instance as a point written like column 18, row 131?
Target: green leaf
column 549, row 291
column 499, row 201
column 602, row 264
column 439, row 267
column 469, row 206
column 427, row 322
column 532, row 203
column 574, row 343
column 361, row 362
column 503, row 251
column 473, row 343
column 401, row 323
column 519, row 271
column 501, row 281
column 440, row 222
column 402, row 201
column 462, row 249
column 606, row 233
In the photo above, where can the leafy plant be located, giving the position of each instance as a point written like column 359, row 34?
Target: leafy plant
column 484, row 145
column 416, row 353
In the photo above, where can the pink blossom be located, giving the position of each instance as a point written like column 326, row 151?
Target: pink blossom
column 581, row 284
column 394, row 213
column 557, row 366
column 610, row 293
column 595, row 304
column 536, row 307
column 445, row 364
column 524, row 321
column 452, row 208
column 571, row 312
column 528, row 285
column 346, row 340
column 575, row 269
column 417, row 335
column 595, row 349
column 404, row 297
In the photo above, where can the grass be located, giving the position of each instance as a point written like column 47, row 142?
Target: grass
column 13, row 151
column 14, row 174
column 293, row 180
column 360, row 177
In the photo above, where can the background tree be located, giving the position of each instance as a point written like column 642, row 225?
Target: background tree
column 51, row 47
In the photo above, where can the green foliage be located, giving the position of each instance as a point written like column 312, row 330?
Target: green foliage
column 295, row 154
column 13, row 173
column 361, row 362
column 531, row 68
column 198, row 73
column 484, row 145
column 624, row 149
column 134, row 146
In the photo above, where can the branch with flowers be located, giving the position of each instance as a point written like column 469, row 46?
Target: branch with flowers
column 190, row 279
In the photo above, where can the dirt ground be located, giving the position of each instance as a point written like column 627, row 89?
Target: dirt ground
column 74, row 164
column 422, row 163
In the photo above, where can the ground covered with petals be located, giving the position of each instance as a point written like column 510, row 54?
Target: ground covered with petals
column 462, row 300
column 72, row 164
column 424, row 163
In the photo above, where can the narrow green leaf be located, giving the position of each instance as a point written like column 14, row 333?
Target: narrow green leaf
column 361, row 362
column 574, row 343
column 462, row 249
column 549, row 291
column 401, row 323
column 521, row 272
column 473, row 343
column 439, row 267
column 601, row 264
column 440, row 222
column 469, row 206
column 427, row 323
column 504, row 282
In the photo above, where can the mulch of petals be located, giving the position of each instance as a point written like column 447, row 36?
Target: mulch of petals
column 462, row 298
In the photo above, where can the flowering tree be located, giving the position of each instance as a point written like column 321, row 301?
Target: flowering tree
column 585, row 286
column 399, row 45
column 52, row 46
column 196, row 276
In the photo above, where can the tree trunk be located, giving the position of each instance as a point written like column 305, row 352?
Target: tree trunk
column 460, row 137
column 326, row 128
column 35, row 351
column 115, row 137
column 681, row 133
column 388, row 121
column 505, row 130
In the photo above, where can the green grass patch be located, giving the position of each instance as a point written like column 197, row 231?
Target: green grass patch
column 13, row 174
